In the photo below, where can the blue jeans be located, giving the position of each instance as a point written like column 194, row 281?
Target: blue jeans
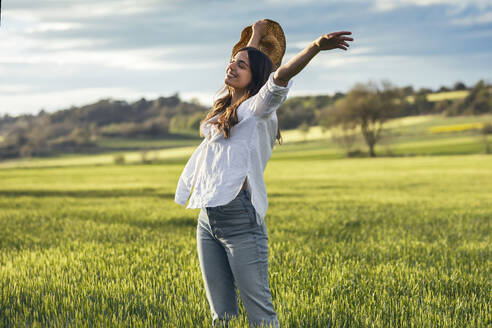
column 233, row 252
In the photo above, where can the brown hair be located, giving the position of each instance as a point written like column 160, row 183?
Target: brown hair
column 261, row 67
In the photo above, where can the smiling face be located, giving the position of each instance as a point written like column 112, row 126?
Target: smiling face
column 238, row 73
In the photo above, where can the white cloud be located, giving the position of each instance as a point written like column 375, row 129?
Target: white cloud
column 15, row 88
column 42, row 12
column 481, row 18
column 56, row 100
column 387, row 5
column 18, row 50
column 53, row 26
column 338, row 57
column 340, row 60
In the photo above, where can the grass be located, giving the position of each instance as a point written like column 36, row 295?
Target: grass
column 360, row 242
column 445, row 95
column 149, row 143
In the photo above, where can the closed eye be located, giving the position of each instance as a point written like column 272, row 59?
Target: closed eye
column 242, row 63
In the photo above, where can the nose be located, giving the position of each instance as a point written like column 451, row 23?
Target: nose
column 232, row 66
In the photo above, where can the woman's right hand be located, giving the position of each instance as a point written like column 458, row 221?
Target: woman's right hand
column 260, row 27
column 333, row 40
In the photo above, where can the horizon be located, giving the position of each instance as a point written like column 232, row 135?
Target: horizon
column 191, row 100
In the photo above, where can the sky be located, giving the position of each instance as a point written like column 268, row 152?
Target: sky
column 57, row 54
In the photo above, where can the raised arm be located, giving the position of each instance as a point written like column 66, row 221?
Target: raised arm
column 275, row 90
column 285, row 72
column 325, row 42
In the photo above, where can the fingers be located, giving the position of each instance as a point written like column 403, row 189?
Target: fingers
column 342, row 32
column 341, row 37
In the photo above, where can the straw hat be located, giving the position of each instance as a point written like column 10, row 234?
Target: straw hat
column 273, row 43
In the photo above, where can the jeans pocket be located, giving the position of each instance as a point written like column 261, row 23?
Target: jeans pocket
column 249, row 208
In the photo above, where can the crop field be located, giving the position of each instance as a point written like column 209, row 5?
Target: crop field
column 446, row 95
column 353, row 242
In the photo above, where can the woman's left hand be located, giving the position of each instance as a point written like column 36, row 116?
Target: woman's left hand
column 333, row 40
column 260, row 27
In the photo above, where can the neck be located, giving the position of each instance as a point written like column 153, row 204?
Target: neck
column 236, row 95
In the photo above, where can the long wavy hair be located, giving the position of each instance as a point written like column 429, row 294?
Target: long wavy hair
column 261, row 67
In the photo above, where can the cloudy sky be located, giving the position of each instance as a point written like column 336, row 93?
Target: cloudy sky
column 55, row 54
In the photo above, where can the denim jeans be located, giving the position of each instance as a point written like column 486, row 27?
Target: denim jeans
column 233, row 252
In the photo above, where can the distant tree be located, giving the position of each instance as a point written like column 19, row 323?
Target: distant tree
column 479, row 100
column 39, row 134
column 81, row 136
column 338, row 95
column 486, row 131
column 157, row 126
column 296, row 110
column 16, row 137
column 195, row 101
column 178, row 123
column 408, row 90
column 425, row 90
column 119, row 159
column 421, row 105
column 343, row 131
column 459, row 86
column 442, row 106
column 194, row 121
column 26, row 150
column 368, row 107
column 304, row 129
column 345, row 137
column 144, row 156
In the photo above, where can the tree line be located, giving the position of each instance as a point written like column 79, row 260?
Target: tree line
column 367, row 106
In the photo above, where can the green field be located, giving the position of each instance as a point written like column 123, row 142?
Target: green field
column 354, row 242
column 440, row 96
column 147, row 143
column 408, row 136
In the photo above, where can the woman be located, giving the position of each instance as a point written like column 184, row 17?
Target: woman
column 226, row 175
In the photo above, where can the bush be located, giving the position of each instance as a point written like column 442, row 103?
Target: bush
column 485, row 132
column 119, row 159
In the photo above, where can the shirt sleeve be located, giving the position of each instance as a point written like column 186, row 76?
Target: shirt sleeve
column 269, row 97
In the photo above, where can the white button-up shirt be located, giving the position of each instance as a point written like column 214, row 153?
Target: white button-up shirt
column 219, row 166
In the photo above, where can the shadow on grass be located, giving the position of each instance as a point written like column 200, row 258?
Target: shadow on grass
column 285, row 194
column 98, row 193
column 30, row 236
column 145, row 192
column 348, row 231
column 181, row 222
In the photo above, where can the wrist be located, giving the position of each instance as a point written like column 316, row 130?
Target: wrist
column 257, row 35
column 314, row 47
column 254, row 40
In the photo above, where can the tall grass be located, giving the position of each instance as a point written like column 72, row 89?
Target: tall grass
column 384, row 242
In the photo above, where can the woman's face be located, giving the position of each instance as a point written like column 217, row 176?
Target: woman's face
column 238, row 73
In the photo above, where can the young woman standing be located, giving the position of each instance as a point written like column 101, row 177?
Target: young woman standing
column 226, row 175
